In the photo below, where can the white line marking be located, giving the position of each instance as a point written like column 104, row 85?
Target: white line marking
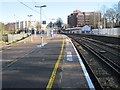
column 69, row 56
column 90, row 84
column 41, row 45
column 67, row 43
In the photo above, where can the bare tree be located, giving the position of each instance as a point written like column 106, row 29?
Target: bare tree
column 115, row 7
column 111, row 16
column 38, row 26
column 59, row 22
column 103, row 11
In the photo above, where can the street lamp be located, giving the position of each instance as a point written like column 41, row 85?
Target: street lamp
column 41, row 22
column 30, row 20
column 51, row 26
column 30, row 31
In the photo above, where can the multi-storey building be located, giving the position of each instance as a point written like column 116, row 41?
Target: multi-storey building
column 78, row 19
column 22, row 25
column 84, row 18
column 10, row 26
column 72, row 19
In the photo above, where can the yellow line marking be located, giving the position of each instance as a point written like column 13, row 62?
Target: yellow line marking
column 16, row 44
column 12, row 46
column 51, row 80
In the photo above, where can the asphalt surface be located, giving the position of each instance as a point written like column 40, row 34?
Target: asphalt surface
column 70, row 73
column 17, row 50
column 32, row 67
column 27, row 65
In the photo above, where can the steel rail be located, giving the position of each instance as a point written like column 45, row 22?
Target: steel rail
column 111, row 65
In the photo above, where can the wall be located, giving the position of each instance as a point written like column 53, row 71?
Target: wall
column 13, row 37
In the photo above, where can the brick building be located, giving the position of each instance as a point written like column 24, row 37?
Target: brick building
column 72, row 20
column 79, row 19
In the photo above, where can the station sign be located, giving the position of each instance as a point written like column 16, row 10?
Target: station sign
column 43, row 22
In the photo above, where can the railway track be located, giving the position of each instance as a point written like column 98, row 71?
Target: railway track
column 105, row 52
column 104, row 62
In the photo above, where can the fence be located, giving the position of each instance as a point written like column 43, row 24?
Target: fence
column 13, row 37
column 107, row 31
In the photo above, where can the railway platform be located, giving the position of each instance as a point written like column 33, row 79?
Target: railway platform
column 56, row 64
column 74, row 73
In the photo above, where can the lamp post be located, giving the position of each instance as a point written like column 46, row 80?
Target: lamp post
column 99, row 23
column 30, row 20
column 30, row 27
column 41, row 22
column 52, row 32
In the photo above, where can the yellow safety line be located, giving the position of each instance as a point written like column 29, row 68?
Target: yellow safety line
column 51, row 80
column 17, row 44
column 12, row 46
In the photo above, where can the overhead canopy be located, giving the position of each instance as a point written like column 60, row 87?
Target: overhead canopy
column 86, row 28
column 74, row 28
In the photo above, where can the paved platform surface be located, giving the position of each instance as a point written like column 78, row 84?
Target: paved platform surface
column 17, row 50
column 27, row 65
column 72, row 75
